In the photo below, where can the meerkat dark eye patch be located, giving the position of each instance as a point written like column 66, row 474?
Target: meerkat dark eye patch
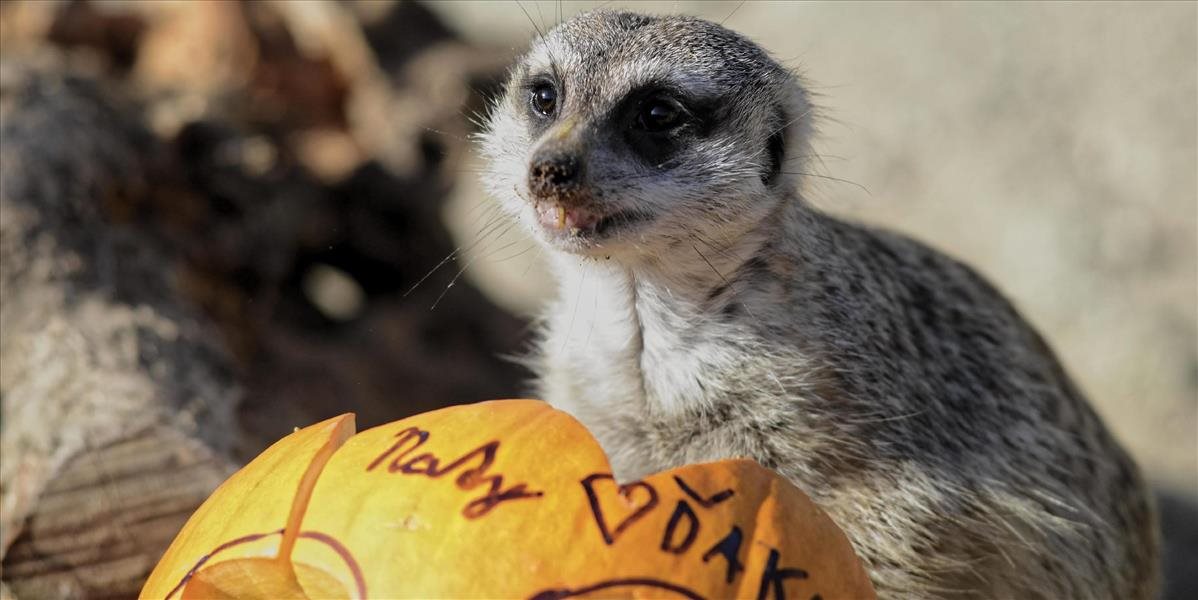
column 658, row 121
column 660, row 114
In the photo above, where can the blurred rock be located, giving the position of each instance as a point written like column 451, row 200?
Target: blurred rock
column 399, row 31
column 114, row 35
column 435, row 85
column 333, row 292
column 25, row 24
column 199, row 47
column 244, row 61
column 330, row 154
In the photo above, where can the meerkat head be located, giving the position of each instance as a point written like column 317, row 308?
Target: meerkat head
column 622, row 135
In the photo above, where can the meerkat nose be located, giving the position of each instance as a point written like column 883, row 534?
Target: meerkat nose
column 553, row 174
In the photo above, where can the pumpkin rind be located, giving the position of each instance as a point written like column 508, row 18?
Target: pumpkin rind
column 243, row 517
column 515, row 499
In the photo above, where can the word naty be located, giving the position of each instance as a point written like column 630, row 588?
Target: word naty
column 429, row 465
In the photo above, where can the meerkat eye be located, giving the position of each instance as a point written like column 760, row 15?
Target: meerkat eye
column 544, row 99
column 660, row 114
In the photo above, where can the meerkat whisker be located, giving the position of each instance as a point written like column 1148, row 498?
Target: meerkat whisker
column 540, row 33
column 458, row 275
column 446, row 134
column 495, row 220
column 495, row 251
column 574, row 314
column 734, row 9
column 831, row 178
column 529, row 246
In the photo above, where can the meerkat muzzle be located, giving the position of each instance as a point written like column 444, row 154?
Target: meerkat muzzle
column 563, row 131
column 557, row 217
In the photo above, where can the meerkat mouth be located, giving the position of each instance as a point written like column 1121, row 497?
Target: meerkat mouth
column 577, row 221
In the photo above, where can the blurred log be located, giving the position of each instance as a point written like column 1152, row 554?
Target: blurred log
column 118, row 404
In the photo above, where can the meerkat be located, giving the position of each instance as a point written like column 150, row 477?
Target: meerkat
column 708, row 311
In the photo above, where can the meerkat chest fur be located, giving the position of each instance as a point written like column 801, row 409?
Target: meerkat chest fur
column 646, row 358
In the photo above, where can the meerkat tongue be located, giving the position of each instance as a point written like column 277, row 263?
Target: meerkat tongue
column 556, row 216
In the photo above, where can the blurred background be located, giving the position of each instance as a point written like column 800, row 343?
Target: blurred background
column 222, row 221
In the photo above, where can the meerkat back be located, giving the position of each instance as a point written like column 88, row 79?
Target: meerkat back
column 707, row 311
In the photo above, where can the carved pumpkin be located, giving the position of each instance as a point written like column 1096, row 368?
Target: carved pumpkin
column 499, row 499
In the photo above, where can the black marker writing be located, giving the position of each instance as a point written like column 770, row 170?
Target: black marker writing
column 682, row 510
column 704, row 502
column 728, row 547
column 627, row 490
column 429, row 465
column 773, row 577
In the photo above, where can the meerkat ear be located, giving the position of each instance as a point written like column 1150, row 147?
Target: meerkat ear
column 789, row 142
column 775, row 149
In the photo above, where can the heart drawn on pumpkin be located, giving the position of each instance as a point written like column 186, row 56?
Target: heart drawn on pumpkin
column 626, row 491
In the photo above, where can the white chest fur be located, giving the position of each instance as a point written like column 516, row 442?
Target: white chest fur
column 622, row 342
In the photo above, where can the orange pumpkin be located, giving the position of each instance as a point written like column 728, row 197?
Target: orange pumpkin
column 499, row 499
